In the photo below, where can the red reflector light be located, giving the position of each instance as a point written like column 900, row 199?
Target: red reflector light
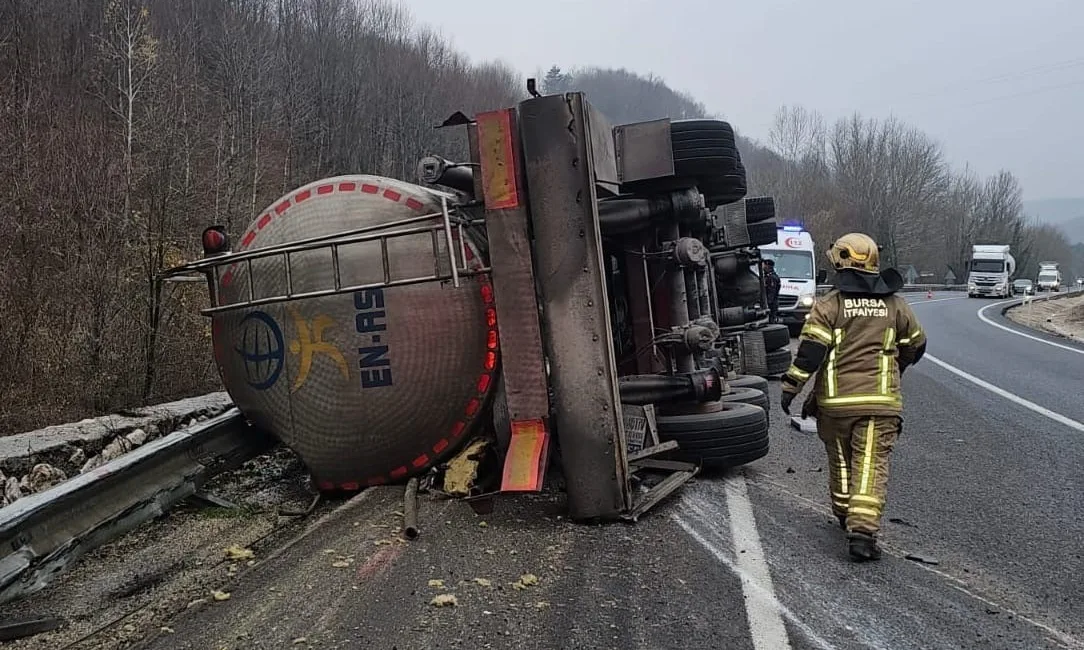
column 491, row 317
column 487, row 294
column 483, row 383
column 215, row 241
column 491, row 341
column 491, row 360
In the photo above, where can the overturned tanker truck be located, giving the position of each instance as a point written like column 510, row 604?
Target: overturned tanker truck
column 561, row 293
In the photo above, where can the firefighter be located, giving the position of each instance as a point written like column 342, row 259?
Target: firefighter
column 858, row 340
column 772, row 284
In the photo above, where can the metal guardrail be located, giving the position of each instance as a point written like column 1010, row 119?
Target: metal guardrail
column 43, row 534
column 910, row 288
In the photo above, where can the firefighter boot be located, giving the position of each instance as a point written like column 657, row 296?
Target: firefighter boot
column 863, row 547
column 842, row 521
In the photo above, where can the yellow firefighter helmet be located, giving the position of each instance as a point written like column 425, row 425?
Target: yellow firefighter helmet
column 855, row 251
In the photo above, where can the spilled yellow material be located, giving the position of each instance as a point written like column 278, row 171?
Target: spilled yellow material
column 462, row 470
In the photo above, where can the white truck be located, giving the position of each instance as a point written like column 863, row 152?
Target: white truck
column 1049, row 277
column 991, row 270
column 796, row 264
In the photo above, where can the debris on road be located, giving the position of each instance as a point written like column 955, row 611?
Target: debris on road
column 237, row 553
column 462, row 471
column 902, row 522
column 525, row 580
column 921, row 559
column 410, row 510
column 220, row 596
column 444, row 600
column 436, row 584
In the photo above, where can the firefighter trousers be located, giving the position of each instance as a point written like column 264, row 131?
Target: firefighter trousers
column 858, row 449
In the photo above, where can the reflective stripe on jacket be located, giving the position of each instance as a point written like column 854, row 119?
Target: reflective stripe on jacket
column 856, row 345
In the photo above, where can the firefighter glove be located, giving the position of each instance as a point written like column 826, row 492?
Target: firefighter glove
column 809, row 407
column 784, row 400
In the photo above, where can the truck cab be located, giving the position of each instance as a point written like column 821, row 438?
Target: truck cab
column 990, row 272
column 796, row 264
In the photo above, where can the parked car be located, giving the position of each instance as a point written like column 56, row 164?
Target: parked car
column 1022, row 286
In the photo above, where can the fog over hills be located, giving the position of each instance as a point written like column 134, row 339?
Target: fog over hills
column 1067, row 213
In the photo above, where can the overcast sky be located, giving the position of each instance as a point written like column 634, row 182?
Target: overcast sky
column 1000, row 83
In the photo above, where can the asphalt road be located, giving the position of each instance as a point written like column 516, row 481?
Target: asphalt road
column 986, row 483
column 982, row 484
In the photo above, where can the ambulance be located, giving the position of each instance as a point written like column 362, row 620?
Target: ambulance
column 796, row 264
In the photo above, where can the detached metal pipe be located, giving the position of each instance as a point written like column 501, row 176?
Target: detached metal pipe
column 410, row 510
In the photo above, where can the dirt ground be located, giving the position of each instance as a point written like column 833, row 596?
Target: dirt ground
column 122, row 591
column 1061, row 316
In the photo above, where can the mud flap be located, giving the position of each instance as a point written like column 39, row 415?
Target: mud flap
column 754, row 355
column 643, row 445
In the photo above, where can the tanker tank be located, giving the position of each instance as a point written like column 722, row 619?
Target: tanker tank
column 370, row 386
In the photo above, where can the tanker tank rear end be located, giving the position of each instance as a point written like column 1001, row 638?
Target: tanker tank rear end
column 372, row 385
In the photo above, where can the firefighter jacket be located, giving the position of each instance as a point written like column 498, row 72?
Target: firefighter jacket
column 858, row 339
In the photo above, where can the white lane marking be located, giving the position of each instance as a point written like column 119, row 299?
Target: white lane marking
column 760, row 598
column 761, row 605
column 1001, row 392
column 956, row 583
column 983, row 318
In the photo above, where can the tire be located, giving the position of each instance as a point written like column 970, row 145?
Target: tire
column 720, row 153
column 778, row 362
column 706, row 151
column 748, row 381
column 708, row 170
column 750, row 396
column 734, row 436
column 759, row 208
column 776, row 336
column 695, row 128
column 682, row 148
column 729, row 189
column 765, row 232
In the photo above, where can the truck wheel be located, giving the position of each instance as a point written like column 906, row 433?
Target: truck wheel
column 778, row 362
column 751, row 396
column 776, row 336
column 734, row 436
column 699, row 129
column 706, row 151
column 748, row 381
column 765, row 232
column 759, row 208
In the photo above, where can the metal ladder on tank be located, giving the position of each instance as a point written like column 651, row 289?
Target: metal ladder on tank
column 456, row 260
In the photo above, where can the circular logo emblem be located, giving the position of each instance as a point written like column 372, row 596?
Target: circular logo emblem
column 262, row 349
column 793, row 242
